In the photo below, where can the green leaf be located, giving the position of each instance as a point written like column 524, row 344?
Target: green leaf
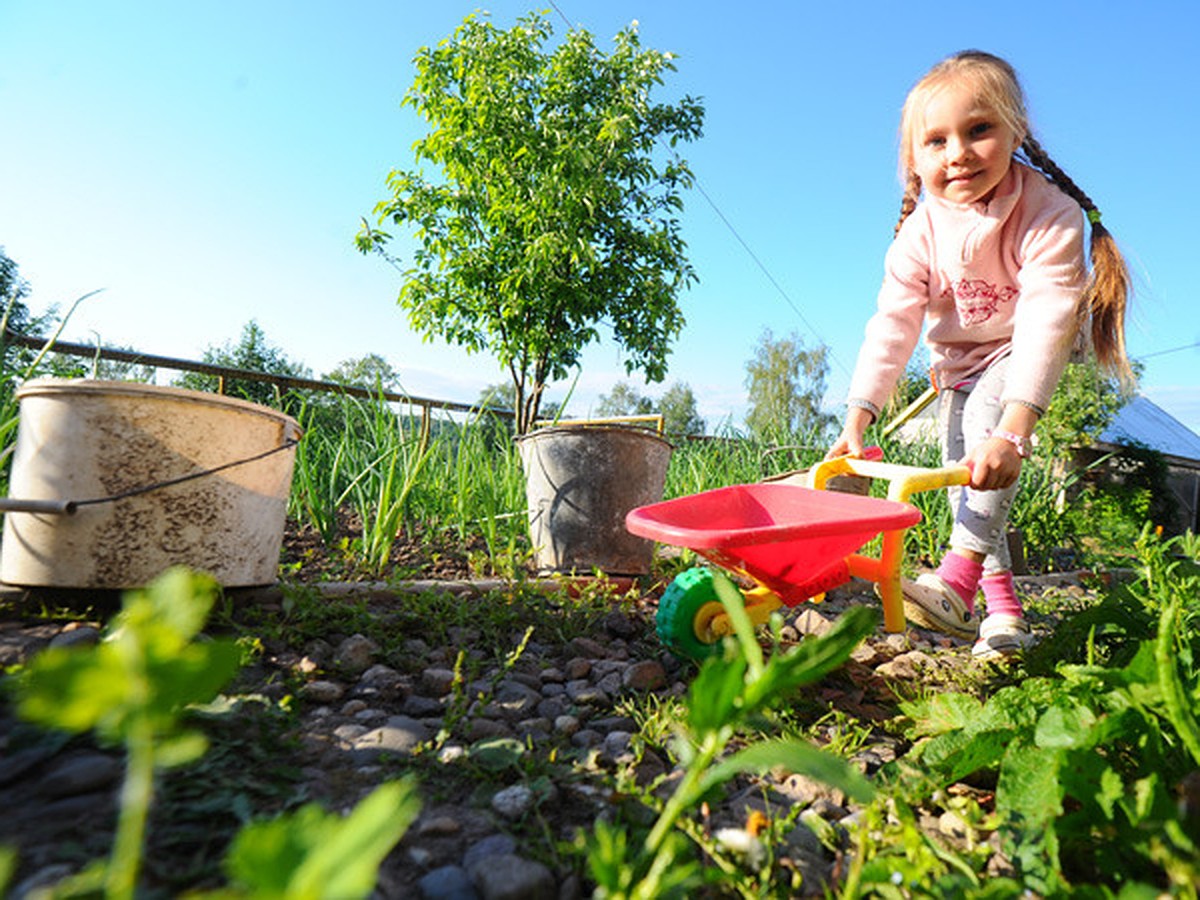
column 74, row 689
column 313, row 854
column 714, row 694
column 957, row 754
column 941, row 713
column 496, row 754
column 1029, row 784
column 1065, row 725
column 795, row 756
column 181, row 749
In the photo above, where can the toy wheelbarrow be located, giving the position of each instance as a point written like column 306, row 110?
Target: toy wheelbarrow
column 794, row 542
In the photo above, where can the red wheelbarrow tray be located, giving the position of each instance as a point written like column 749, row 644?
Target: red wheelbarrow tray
column 786, row 537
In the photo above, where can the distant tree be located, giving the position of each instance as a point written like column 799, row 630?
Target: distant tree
column 254, row 353
column 16, row 317
column 786, row 386
column 553, row 208
column 13, row 291
column 678, row 408
column 502, row 396
column 370, row 371
column 624, row 400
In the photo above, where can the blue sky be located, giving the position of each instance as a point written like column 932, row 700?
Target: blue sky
column 208, row 163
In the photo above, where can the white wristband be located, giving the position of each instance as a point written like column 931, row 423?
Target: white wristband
column 1023, row 444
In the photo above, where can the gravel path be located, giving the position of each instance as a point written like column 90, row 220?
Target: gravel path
column 486, row 829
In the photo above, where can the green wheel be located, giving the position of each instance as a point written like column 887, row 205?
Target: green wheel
column 687, row 607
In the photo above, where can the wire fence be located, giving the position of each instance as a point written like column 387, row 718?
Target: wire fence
column 226, row 374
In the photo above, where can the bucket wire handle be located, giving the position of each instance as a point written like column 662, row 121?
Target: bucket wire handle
column 70, row 506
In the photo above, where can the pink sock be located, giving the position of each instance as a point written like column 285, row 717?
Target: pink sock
column 963, row 575
column 1000, row 594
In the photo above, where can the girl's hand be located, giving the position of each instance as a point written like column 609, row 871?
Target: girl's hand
column 850, row 441
column 995, row 464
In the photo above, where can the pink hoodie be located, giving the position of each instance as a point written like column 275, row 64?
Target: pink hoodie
column 990, row 279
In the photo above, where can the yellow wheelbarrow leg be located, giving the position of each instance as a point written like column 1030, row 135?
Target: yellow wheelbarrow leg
column 760, row 603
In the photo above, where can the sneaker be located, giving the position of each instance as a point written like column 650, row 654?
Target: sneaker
column 1002, row 635
column 931, row 603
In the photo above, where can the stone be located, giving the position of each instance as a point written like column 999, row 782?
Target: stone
column 447, row 883
column 647, row 675
column 513, row 802
column 322, row 692
column 511, row 877
column 492, row 845
column 400, row 735
column 81, row 774
column 437, row 682
column 355, row 654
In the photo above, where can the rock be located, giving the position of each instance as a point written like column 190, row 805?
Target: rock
column 619, row 624
column 478, row 729
column 616, row 744
column 907, row 666
column 14, row 765
column 447, row 883
column 647, row 675
column 399, row 735
column 323, row 692
column 513, row 701
column 80, row 774
column 610, row 684
column 438, row 826
column 589, row 648
column 492, row 845
column 811, row 622
column 586, row 694
column 805, row 791
column 355, row 654
column 513, row 802
column 566, row 725
column 76, row 635
column 422, row 707
column 577, row 668
column 510, row 877
column 437, row 682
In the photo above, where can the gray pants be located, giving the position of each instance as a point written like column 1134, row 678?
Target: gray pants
column 966, row 415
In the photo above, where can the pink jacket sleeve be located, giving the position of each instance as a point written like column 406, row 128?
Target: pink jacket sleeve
column 1045, row 323
column 893, row 331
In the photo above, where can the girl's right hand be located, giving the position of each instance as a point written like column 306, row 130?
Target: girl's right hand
column 850, row 441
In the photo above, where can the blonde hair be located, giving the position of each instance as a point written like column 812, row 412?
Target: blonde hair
column 997, row 88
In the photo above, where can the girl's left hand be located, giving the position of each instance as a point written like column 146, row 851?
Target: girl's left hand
column 995, row 464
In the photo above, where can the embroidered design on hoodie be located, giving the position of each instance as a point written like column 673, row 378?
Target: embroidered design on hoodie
column 976, row 300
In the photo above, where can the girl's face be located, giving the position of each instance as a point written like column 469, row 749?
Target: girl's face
column 962, row 150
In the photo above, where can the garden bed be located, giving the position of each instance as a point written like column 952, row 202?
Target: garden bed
column 524, row 713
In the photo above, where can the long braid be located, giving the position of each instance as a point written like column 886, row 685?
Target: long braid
column 912, row 193
column 1109, row 285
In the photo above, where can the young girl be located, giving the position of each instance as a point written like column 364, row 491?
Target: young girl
column 991, row 259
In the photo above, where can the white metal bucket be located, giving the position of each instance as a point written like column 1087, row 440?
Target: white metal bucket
column 151, row 477
column 580, row 482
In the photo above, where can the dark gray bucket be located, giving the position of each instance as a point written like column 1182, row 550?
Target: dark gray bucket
column 580, row 481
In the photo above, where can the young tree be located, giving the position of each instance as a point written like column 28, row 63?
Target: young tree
column 786, row 384
column 554, row 207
